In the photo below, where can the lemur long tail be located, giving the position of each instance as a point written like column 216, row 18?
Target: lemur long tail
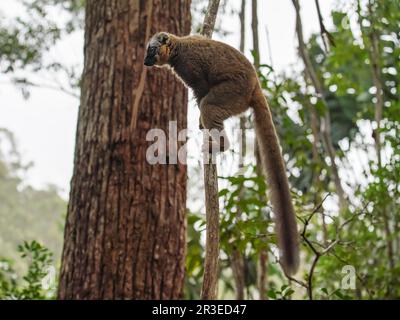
column 278, row 185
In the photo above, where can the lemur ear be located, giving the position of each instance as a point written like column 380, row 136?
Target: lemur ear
column 163, row 38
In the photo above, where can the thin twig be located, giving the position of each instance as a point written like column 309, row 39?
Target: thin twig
column 327, row 38
column 43, row 86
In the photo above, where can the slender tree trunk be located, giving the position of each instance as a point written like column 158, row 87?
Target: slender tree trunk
column 254, row 28
column 256, row 56
column 209, row 288
column 371, row 40
column 316, row 160
column 237, row 259
column 125, row 228
column 237, row 265
column 325, row 120
column 377, row 80
column 242, row 18
column 263, row 255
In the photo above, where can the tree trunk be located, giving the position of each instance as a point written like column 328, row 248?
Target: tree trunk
column 125, row 228
column 254, row 28
column 262, row 265
column 209, row 289
column 237, row 259
column 374, row 54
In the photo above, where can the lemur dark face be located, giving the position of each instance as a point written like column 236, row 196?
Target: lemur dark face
column 158, row 50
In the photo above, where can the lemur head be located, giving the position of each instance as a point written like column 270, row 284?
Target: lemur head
column 158, row 49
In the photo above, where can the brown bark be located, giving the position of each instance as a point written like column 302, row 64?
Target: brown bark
column 237, row 265
column 263, row 274
column 125, row 228
column 210, row 18
column 209, row 288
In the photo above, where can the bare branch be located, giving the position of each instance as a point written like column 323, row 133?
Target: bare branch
column 58, row 87
column 327, row 38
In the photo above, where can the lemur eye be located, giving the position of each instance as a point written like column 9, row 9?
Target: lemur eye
column 162, row 38
column 152, row 50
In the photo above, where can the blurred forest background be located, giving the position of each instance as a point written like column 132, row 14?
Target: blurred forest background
column 337, row 112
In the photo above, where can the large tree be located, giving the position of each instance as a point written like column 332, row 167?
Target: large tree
column 125, row 228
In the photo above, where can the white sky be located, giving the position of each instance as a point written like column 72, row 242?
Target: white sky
column 44, row 125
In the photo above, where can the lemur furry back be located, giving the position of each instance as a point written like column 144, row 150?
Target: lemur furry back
column 225, row 83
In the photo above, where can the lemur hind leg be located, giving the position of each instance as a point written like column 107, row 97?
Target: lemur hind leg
column 212, row 118
column 218, row 105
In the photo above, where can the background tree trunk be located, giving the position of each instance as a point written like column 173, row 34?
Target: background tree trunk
column 125, row 229
column 237, row 259
column 262, row 266
column 325, row 121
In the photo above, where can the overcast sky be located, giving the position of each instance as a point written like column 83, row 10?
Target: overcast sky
column 44, row 125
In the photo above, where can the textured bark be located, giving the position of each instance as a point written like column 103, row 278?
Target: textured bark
column 210, row 17
column 209, row 288
column 125, row 228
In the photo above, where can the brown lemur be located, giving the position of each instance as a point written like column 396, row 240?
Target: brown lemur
column 224, row 84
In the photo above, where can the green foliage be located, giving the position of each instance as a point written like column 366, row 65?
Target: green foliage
column 26, row 40
column 245, row 213
column 362, row 238
column 245, row 218
column 364, row 233
column 30, row 285
column 194, row 257
column 26, row 213
column 284, row 293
